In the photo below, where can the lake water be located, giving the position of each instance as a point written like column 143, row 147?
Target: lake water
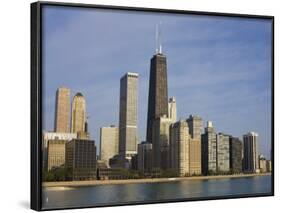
column 63, row 197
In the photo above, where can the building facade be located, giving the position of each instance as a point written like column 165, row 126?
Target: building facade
column 56, row 154
column 179, row 144
column 250, row 150
column 78, row 114
column 195, row 156
column 145, row 157
column 62, row 110
column 172, row 109
column 160, row 142
column 209, row 150
column 195, row 126
column 262, row 164
column 235, row 147
column 47, row 136
column 223, row 156
column 158, row 92
column 80, row 159
column 128, row 110
column 109, row 142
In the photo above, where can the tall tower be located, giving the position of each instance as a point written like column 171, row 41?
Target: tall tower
column 62, row 112
column 179, row 148
column 250, row 145
column 235, row 154
column 209, row 150
column 158, row 91
column 78, row 116
column 195, row 127
column 128, row 117
column 223, row 152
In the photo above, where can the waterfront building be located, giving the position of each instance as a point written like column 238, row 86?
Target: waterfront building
column 160, row 142
column 62, row 110
column 179, row 146
column 80, row 159
column 195, row 126
column 109, row 142
column 223, row 157
column 195, row 156
column 158, row 91
column 262, row 164
column 49, row 136
column 235, row 147
column 128, row 110
column 78, row 115
column 145, row 157
column 250, row 154
column 209, row 150
column 56, row 154
column 111, row 174
column 172, row 109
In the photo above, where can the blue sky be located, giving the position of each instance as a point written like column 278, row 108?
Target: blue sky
column 218, row 67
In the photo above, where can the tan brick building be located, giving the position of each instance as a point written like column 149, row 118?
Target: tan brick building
column 179, row 143
column 195, row 156
column 78, row 115
column 62, row 110
column 56, row 153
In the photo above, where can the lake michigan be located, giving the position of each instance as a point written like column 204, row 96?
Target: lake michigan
column 83, row 196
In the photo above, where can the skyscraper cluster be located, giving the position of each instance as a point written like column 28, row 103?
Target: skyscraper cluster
column 69, row 146
column 172, row 147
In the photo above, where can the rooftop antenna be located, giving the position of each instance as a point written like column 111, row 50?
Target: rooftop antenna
column 158, row 38
column 160, row 45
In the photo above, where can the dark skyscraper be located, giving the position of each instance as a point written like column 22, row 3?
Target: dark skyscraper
column 235, row 148
column 158, row 91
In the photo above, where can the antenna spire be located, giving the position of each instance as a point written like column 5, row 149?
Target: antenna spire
column 160, row 42
column 158, row 39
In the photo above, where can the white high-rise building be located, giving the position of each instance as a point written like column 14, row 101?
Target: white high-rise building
column 179, row 144
column 109, row 142
column 128, row 117
column 172, row 109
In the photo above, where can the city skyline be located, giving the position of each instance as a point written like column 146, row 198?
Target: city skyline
column 188, row 103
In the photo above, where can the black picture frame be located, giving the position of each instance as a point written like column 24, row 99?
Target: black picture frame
column 36, row 97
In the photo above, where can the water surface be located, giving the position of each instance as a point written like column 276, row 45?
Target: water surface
column 61, row 197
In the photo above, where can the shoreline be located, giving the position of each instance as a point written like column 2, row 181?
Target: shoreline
column 145, row 180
